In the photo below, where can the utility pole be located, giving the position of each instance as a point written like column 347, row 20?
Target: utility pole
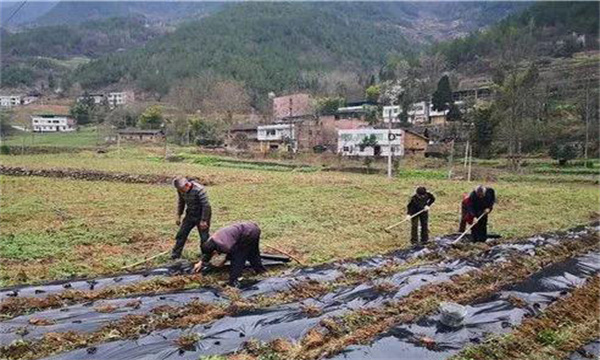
column 389, row 165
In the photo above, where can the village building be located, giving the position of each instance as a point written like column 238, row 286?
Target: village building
column 276, row 137
column 415, row 144
column 8, row 101
column 52, row 123
column 120, row 98
column 139, row 135
column 350, row 142
column 243, row 137
column 294, row 105
column 417, row 114
column 112, row 99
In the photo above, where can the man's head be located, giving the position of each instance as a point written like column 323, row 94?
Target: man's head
column 421, row 191
column 480, row 191
column 182, row 184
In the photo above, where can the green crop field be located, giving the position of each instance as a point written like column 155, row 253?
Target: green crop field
column 84, row 137
column 54, row 227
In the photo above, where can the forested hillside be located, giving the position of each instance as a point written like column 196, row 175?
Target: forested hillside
column 268, row 47
column 71, row 12
column 92, row 39
column 544, row 29
column 325, row 47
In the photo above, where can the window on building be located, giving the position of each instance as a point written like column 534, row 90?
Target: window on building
column 346, row 148
column 271, row 132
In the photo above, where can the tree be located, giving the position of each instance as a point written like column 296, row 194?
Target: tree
column 368, row 141
column 329, row 105
column 563, row 153
column 454, row 113
column 152, row 118
column 5, row 127
column 515, row 101
column 484, row 127
column 206, row 132
column 442, row 97
column 82, row 109
column 371, row 114
column 372, row 93
column 51, row 81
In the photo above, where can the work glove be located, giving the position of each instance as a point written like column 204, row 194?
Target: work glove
column 235, row 283
column 426, row 208
column 487, row 211
column 178, row 221
column 408, row 217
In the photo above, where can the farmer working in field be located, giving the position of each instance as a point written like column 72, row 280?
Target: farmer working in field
column 240, row 242
column 191, row 197
column 420, row 201
column 465, row 217
column 480, row 204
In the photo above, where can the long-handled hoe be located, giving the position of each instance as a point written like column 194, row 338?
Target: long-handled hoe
column 469, row 228
column 387, row 229
column 145, row 260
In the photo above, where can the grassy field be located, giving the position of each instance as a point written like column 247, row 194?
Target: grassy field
column 84, row 137
column 54, row 228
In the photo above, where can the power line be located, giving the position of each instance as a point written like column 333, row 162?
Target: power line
column 15, row 12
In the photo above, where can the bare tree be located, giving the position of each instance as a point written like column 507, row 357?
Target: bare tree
column 515, row 100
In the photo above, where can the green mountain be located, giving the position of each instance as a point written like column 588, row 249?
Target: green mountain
column 544, row 29
column 266, row 46
column 74, row 12
column 93, row 39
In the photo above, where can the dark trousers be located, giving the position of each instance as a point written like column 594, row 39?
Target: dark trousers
column 246, row 250
column 424, row 219
column 184, row 231
column 479, row 230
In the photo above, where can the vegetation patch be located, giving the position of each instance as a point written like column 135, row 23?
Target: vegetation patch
column 565, row 326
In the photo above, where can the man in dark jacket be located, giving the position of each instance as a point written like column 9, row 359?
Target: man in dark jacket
column 193, row 199
column 481, row 202
column 422, row 200
column 240, row 242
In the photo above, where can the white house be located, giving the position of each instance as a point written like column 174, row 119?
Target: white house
column 274, row 137
column 10, row 100
column 349, row 142
column 120, row 98
column 113, row 99
column 415, row 115
column 52, row 123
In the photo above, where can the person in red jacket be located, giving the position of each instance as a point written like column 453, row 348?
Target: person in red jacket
column 465, row 216
column 240, row 242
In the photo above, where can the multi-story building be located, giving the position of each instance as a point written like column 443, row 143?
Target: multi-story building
column 416, row 115
column 112, row 99
column 350, row 142
column 10, row 100
column 52, row 123
column 120, row 98
column 277, row 137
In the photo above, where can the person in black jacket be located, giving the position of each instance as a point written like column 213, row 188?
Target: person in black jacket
column 481, row 202
column 421, row 200
column 191, row 197
column 240, row 242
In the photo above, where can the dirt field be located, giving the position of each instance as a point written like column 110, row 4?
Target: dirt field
column 53, row 228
